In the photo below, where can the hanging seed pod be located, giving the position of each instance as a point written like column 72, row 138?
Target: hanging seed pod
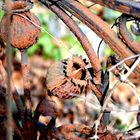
column 23, row 33
column 67, row 77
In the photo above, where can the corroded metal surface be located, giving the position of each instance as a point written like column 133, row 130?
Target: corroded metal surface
column 129, row 7
column 126, row 35
column 67, row 77
column 85, row 43
column 100, row 27
column 18, row 6
column 23, row 33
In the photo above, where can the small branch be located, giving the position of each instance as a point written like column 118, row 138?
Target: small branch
column 97, row 122
column 8, row 64
column 125, row 76
column 121, row 62
column 107, row 99
column 98, row 107
column 96, row 137
column 27, row 92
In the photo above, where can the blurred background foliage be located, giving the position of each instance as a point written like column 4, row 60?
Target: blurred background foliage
column 56, row 41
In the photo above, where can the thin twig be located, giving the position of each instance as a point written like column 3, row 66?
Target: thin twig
column 107, row 99
column 125, row 76
column 97, row 122
column 121, row 62
column 134, row 136
column 8, row 60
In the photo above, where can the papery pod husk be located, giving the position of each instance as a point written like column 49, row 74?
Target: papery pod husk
column 66, row 91
column 64, row 77
column 55, row 75
column 23, row 33
column 75, row 60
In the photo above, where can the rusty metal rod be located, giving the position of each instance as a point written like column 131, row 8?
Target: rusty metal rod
column 126, row 35
column 100, row 28
column 129, row 7
column 9, row 72
column 82, row 39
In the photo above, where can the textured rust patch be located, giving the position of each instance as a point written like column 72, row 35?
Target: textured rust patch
column 18, row 5
column 125, row 6
column 126, row 35
column 23, row 33
column 67, row 77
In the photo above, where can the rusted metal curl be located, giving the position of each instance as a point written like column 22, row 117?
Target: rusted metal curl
column 101, row 28
column 67, row 77
column 126, row 35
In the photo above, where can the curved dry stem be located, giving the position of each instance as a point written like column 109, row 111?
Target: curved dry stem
column 126, row 35
column 122, row 61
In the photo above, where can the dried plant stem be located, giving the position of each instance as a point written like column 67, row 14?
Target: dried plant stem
column 26, row 82
column 97, row 107
column 107, row 99
column 123, row 79
column 8, row 60
column 125, row 76
column 97, row 122
column 25, row 69
column 121, row 62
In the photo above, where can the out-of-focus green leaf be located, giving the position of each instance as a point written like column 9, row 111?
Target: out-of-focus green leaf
column 1, row 14
column 110, row 15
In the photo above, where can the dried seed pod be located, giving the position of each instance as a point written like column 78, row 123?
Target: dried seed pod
column 66, row 90
column 67, row 77
column 23, row 33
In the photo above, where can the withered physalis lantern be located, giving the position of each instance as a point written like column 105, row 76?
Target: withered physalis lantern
column 67, row 78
